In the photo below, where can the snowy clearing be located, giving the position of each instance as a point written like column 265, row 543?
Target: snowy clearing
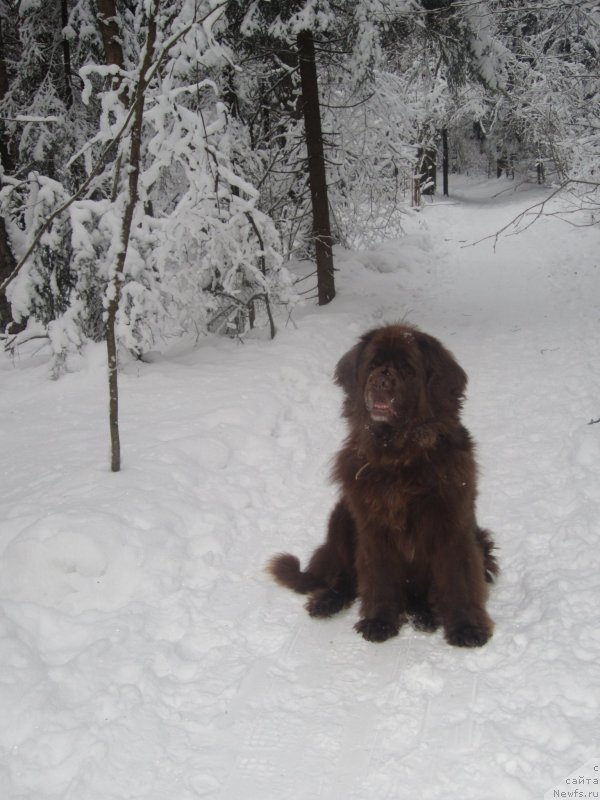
column 145, row 653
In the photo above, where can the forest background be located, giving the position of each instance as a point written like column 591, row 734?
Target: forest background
column 162, row 162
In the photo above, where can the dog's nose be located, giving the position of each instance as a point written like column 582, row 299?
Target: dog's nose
column 383, row 380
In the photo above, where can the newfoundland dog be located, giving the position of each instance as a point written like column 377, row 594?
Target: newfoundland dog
column 403, row 536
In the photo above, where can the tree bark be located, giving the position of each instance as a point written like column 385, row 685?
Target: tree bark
column 7, row 257
column 132, row 197
column 113, row 52
column 427, row 170
column 5, row 155
column 7, row 265
column 445, row 163
column 416, row 191
column 3, row 72
column 316, row 167
column 66, row 48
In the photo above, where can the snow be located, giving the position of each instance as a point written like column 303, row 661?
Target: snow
column 146, row 654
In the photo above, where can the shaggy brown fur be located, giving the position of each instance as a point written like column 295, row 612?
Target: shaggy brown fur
column 403, row 536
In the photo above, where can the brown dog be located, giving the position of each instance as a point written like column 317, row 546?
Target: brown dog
column 403, row 536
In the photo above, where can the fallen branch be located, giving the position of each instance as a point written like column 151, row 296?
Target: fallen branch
column 16, row 340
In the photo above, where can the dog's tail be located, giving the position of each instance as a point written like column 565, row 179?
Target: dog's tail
column 490, row 565
column 285, row 568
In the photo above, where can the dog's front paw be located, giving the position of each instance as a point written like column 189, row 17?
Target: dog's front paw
column 376, row 630
column 469, row 635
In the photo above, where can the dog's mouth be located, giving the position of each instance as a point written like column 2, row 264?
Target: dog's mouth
column 381, row 394
column 381, row 409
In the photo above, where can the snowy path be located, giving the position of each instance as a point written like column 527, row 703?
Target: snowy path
column 144, row 653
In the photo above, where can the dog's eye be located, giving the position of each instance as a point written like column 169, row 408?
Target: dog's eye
column 378, row 363
column 391, row 364
column 406, row 370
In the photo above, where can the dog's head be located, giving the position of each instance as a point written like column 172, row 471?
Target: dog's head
column 399, row 377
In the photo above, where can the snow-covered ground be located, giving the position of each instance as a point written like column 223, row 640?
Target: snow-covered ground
column 145, row 654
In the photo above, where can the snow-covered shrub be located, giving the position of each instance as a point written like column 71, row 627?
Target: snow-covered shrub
column 217, row 250
column 200, row 254
column 42, row 289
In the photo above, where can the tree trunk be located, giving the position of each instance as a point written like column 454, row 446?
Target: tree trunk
column 113, row 52
column 316, row 167
column 66, row 48
column 416, row 191
column 7, row 265
column 445, row 164
column 131, row 200
column 5, row 156
column 428, row 170
column 7, row 259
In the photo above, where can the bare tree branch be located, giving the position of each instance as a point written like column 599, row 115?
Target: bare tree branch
column 538, row 210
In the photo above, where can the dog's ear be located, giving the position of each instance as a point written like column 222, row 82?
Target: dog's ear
column 446, row 380
column 346, row 372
